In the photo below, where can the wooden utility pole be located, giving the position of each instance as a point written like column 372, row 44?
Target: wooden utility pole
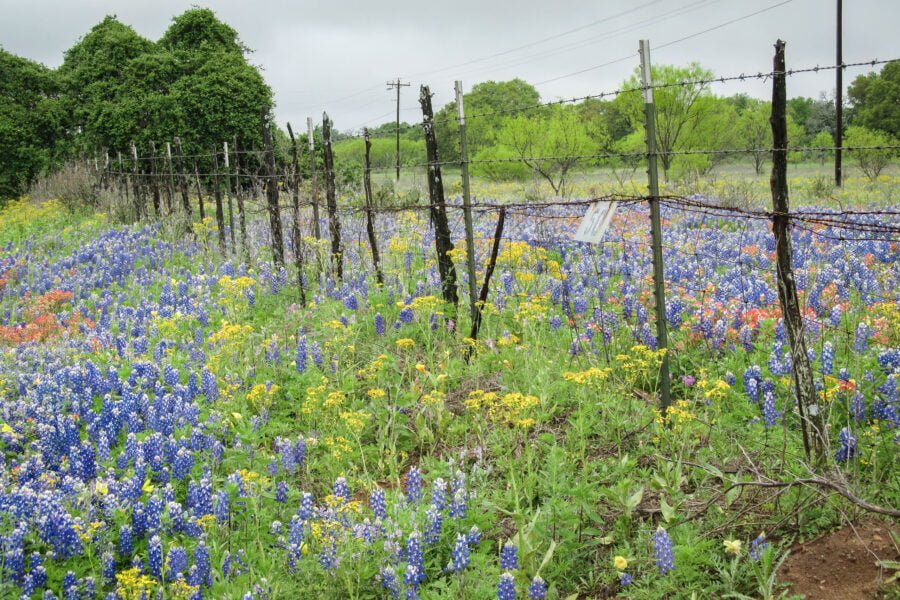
column 311, row 139
column 659, row 283
column 370, row 224
column 438, row 212
column 272, row 193
column 839, row 98
column 397, row 85
column 334, row 225
column 296, row 236
column 810, row 415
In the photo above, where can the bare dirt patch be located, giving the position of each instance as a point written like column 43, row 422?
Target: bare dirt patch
column 843, row 564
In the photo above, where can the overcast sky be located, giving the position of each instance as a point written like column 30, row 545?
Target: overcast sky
column 337, row 55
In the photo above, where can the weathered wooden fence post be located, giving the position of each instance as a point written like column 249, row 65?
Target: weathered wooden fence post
column 182, row 179
column 135, row 181
column 486, row 286
column 296, row 235
column 272, row 193
column 659, row 282
column 217, row 194
column 810, row 415
column 334, row 224
column 370, row 217
column 228, row 194
column 438, row 208
column 170, row 184
column 239, row 191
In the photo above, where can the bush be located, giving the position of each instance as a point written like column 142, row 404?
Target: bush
column 870, row 161
column 510, row 170
column 74, row 184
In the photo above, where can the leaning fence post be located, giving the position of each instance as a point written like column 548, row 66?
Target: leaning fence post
column 467, row 204
column 182, row 180
column 810, row 416
column 370, row 225
column 315, row 178
column 659, row 284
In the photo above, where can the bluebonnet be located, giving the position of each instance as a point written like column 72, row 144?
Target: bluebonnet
column 506, row 589
column 827, row 358
column 302, row 358
column 538, row 588
column 413, row 486
column 434, row 519
column 306, row 509
column 663, row 551
column 757, row 546
column 509, row 557
column 460, row 554
column 155, row 556
column 390, row 582
column 414, row 557
column 341, row 490
column 847, row 448
column 379, row 329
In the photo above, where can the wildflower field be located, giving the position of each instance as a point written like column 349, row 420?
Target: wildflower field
column 175, row 424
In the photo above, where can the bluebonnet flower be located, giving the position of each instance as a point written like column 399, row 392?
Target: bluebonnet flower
column 460, row 554
column 758, row 546
column 433, row 519
column 625, row 579
column 176, row 562
column 406, row 316
column 413, row 486
column 126, row 541
column 414, row 557
column 538, row 588
column 474, row 536
column 663, row 551
column 302, row 358
column 858, row 406
column 108, row 567
column 306, row 509
column 509, row 557
column 506, row 589
column 379, row 329
column 281, row 492
column 439, row 494
column 847, row 448
column 827, row 358
column 378, row 504
column 390, row 582
column 769, row 411
column 201, row 561
column 861, row 339
column 328, row 556
column 341, row 490
column 155, row 556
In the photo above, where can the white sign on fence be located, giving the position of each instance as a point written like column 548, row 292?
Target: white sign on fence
column 595, row 222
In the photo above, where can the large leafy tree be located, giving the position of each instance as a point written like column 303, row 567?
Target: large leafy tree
column 679, row 105
column 489, row 103
column 876, row 99
column 30, row 122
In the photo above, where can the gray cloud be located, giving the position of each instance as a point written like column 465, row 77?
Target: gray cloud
column 337, row 55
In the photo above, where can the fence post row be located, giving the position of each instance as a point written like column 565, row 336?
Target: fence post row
column 135, row 181
column 239, row 191
column 154, row 182
column 334, row 225
column 182, row 179
column 438, row 210
column 810, row 416
column 296, row 236
column 659, row 286
column 272, row 193
column 370, row 224
column 467, row 201
column 217, row 194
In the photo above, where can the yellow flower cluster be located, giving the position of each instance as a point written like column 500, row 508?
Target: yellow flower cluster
column 230, row 333
column 533, row 308
column 511, row 408
column 592, row 377
column 376, row 393
column 338, row 446
column 374, row 368
column 260, row 396
column 405, row 343
column 252, row 479
column 677, row 414
column 716, row 390
column 314, row 395
column 508, row 340
column 433, row 399
column 355, row 420
column 181, row 590
column 132, row 585
column 640, row 362
column 521, row 254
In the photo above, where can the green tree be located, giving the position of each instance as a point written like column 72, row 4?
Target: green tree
column 870, row 160
column 551, row 146
column 875, row 99
column 30, row 122
column 678, row 105
column 755, row 132
column 489, row 103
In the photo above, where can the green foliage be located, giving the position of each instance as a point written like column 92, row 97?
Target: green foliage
column 498, row 97
column 870, row 161
column 551, row 146
column 874, row 99
column 508, row 167
column 30, row 122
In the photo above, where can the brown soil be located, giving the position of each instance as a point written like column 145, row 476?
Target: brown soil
column 842, row 565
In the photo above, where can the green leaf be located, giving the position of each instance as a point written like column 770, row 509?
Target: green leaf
column 668, row 512
column 634, row 500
